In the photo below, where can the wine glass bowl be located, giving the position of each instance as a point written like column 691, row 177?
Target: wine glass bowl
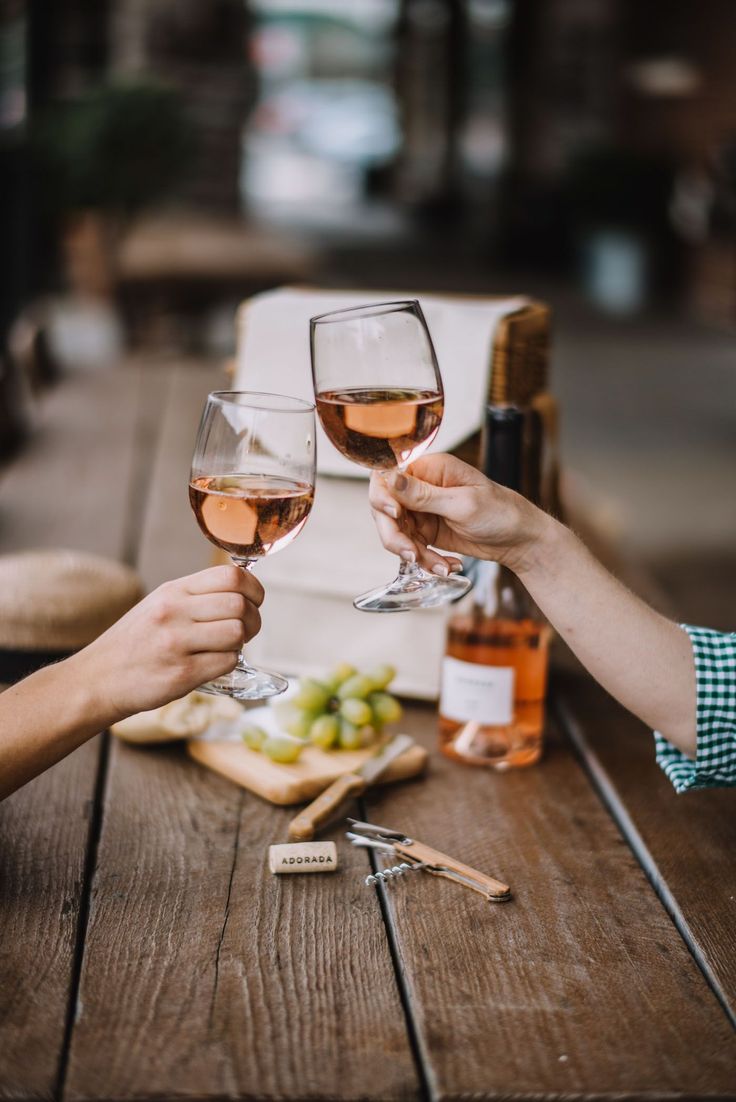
column 250, row 516
column 379, row 397
column 251, row 488
column 381, row 429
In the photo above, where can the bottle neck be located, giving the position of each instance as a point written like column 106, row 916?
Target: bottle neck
column 484, row 595
column 502, row 445
column 499, row 593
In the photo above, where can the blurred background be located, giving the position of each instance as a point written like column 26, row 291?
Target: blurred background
column 163, row 159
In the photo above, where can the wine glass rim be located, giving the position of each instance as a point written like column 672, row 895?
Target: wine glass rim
column 365, row 310
column 272, row 402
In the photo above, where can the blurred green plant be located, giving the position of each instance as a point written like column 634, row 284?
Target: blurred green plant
column 116, row 148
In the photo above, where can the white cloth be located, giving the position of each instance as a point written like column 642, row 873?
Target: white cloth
column 309, row 623
column 273, row 354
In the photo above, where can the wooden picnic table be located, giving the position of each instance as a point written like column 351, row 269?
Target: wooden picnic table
column 146, row 952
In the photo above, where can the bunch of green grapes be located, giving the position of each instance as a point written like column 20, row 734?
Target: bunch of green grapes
column 345, row 711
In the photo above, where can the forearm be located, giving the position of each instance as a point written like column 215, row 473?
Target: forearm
column 640, row 657
column 186, row 632
column 44, row 717
column 644, row 660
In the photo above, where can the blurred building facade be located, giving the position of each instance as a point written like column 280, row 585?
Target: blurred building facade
column 456, row 145
column 533, row 133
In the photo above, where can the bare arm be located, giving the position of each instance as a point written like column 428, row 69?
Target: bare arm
column 643, row 659
column 640, row 657
column 182, row 634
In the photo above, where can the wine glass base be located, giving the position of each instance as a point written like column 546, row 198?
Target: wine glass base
column 247, row 684
column 417, row 590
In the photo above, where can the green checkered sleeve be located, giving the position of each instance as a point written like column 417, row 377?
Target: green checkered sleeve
column 715, row 760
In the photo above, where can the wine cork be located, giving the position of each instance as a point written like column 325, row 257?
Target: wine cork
column 303, row 857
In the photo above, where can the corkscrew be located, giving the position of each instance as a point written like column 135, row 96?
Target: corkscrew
column 418, row 857
column 390, row 873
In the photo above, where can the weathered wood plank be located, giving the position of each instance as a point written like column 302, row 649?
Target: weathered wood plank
column 171, row 543
column 44, row 833
column 206, row 977
column 687, row 844
column 255, row 986
column 579, row 987
column 252, row 986
column 73, row 486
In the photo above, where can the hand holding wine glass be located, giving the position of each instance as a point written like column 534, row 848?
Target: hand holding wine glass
column 441, row 501
column 251, row 488
column 379, row 397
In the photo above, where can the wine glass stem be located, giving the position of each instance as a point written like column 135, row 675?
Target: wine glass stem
column 407, row 569
column 243, row 664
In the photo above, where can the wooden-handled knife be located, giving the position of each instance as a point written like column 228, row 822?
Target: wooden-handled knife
column 304, row 826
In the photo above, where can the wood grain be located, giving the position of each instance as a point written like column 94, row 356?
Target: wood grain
column 580, row 986
column 44, row 833
column 687, row 843
column 171, row 544
column 303, row 780
column 72, row 486
column 207, row 977
column 204, row 976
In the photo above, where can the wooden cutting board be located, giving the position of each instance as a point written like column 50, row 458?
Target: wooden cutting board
column 302, row 780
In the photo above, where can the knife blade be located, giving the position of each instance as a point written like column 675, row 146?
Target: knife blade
column 304, row 826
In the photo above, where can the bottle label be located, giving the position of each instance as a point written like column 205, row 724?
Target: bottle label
column 474, row 693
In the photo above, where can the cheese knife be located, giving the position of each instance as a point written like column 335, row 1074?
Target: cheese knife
column 304, row 826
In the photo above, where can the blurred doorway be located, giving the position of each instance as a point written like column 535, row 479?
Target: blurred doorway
column 371, row 110
column 326, row 123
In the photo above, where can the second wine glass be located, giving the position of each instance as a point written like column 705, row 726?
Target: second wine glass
column 380, row 400
column 251, row 487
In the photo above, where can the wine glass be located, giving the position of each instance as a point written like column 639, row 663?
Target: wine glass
column 251, row 487
column 379, row 397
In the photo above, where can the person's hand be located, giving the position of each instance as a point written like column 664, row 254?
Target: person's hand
column 441, row 502
column 184, row 633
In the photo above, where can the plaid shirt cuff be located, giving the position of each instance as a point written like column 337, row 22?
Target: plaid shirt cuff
column 715, row 760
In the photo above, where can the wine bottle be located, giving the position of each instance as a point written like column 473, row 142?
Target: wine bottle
column 494, row 673
column 519, row 377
